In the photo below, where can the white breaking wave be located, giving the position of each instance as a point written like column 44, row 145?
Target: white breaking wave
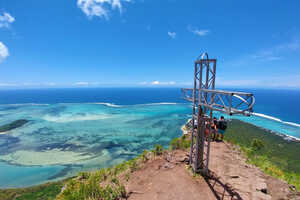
column 292, row 124
column 267, row 117
column 289, row 137
column 107, row 104
column 100, row 103
column 146, row 104
column 71, row 118
column 276, row 119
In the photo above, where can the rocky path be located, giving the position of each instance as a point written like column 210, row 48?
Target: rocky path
column 229, row 168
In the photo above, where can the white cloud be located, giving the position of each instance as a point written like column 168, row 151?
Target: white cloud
column 271, row 54
column 5, row 20
column 277, row 52
column 266, row 55
column 163, row 83
column 8, row 85
column 155, row 83
column 3, row 52
column 199, row 32
column 172, row 34
column 95, row 83
column 25, row 84
column 100, row 8
column 292, row 46
column 274, row 81
column 81, row 83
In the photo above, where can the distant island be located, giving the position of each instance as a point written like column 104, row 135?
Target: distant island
column 13, row 125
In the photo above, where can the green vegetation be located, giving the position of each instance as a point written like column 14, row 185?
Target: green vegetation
column 158, row 149
column 105, row 184
column 41, row 192
column 144, row 155
column 13, row 125
column 88, row 186
column 180, row 143
column 270, row 152
column 257, row 144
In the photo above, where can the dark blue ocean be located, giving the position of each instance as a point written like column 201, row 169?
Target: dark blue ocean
column 72, row 130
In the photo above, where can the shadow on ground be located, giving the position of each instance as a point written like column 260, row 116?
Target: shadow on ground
column 221, row 190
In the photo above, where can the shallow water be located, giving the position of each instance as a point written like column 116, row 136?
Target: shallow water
column 62, row 139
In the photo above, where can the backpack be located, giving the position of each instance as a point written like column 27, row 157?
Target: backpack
column 222, row 125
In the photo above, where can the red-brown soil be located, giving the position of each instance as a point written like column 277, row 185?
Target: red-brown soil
column 167, row 177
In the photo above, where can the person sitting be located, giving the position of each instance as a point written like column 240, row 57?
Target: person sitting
column 221, row 126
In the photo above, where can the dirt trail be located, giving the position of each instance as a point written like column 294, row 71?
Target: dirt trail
column 161, row 180
column 167, row 177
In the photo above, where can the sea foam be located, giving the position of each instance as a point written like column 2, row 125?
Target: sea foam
column 107, row 104
column 275, row 119
column 75, row 117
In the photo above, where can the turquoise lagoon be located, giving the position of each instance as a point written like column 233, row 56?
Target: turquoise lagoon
column 62, row 139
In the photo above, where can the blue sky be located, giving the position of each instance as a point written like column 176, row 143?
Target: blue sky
column 147, row 43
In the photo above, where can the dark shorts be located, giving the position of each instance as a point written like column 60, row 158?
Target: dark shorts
column 220, row 131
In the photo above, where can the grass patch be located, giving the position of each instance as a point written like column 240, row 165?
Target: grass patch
column 105, row 184
column 180, row 143
column 47, row 191
column 89, row 187
column 158, row 149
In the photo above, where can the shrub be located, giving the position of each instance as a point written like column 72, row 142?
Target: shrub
column 144, row 155
column 180, row 143
column 119, row 168
column 127, row 176
column 83, row 175
column 158, row 149
column 175, row 144
column 257, row 144
column 91, row 189
column 133, row 164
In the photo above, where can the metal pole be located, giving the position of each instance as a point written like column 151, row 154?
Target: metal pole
column 211, row 115
column 206, row 83
column 193, row 116
column 199, row 152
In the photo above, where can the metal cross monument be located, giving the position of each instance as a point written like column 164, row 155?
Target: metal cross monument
column 205, row 100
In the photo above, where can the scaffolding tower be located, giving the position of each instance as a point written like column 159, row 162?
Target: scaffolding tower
column 205, row 100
